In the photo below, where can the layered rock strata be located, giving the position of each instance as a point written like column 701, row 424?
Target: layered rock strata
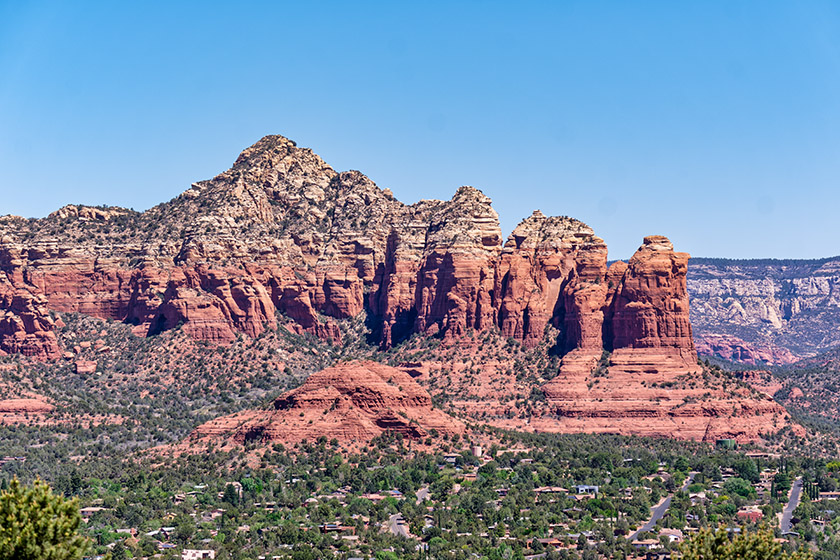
column 647, row 384
column 281, row 231
column 765, row 310
column 654, row 392
column 352, row 402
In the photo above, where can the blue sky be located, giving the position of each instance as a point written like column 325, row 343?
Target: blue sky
column 715, row 123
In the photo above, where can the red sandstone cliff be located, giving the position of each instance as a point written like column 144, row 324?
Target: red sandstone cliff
column 648, row 384
column 650, row 305
column 25, row 324
column 281, row 231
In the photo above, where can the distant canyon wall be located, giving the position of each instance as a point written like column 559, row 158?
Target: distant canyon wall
column 765, row 311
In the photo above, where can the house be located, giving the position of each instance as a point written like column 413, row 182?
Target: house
column 697, row 498
column 583, row 497
column 550, row 490
column 336, row 528
column 586, row 489
column 88, row 512
column 131, row 532
column 554, row 543
column 191, row 554
column 646, row 544
column 750, row 514
column 373, row 497
column 761, row 455
column 674, row 535
column 211, row 515
column 451, row 458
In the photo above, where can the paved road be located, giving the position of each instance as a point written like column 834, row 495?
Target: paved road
column 659, row 511
column 787, row 513
column 422, row 494
column 396, row 524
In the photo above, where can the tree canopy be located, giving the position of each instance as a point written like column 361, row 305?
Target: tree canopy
column 39, row 525
column 718, row 544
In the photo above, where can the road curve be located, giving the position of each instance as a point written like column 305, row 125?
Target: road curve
column 659, row 510
column 397, row 526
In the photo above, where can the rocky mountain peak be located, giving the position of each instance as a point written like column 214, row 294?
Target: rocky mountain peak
column 539, row 230
column 97, row 213
column 466, row 223
column 656, row 243
column 269, row 148
column 282, row 231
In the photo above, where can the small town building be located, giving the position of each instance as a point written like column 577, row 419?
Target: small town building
column 193, row 554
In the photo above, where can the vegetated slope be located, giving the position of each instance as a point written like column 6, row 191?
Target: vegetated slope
column 811, row 389
column 132, row 392
column 765, row 310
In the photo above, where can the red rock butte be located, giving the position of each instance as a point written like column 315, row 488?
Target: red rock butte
column 352, row 402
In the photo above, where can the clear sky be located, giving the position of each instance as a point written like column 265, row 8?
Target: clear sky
column 715, row 123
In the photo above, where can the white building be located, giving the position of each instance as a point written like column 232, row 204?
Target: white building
column 189, row 554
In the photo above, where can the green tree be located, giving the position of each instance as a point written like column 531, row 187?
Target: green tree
column 739, row 486
column 782, row 484
column 716, row 544
column 231, row 495
column 39, row 525
column 118, row 552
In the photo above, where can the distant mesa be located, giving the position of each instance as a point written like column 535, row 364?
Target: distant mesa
column 765, row 311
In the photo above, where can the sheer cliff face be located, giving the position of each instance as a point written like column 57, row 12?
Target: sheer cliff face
column 25, row 324
column 650, row 306
column 282, row 231
column 765, row 311
column 551, row 271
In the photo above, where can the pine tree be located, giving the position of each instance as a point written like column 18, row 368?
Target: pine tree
column 118, row 552
column 38, row 524
column 718, row 544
